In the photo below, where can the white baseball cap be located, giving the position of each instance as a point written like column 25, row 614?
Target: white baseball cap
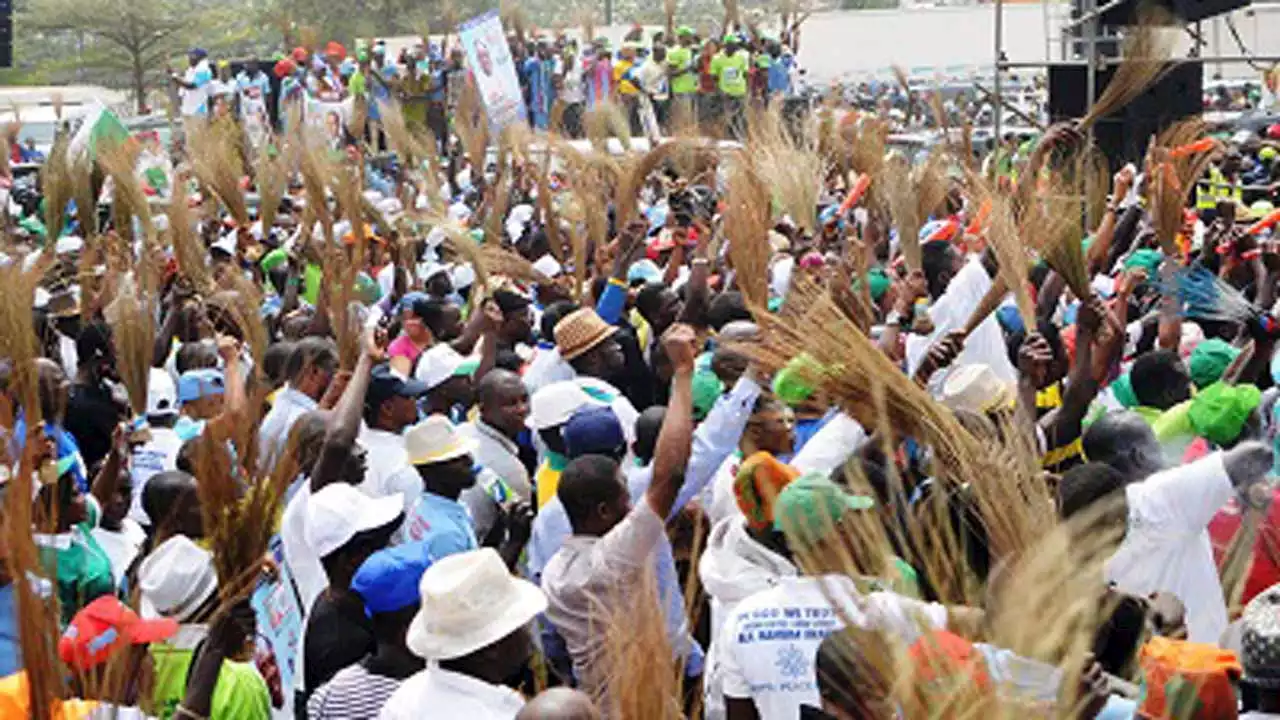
column 554, row 404
column 437, row 364
column 162, row 394
column 436, row 440
column 470, row 601
column 176, row 579
column 339, row 512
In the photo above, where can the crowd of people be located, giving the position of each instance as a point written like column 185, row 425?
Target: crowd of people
column 634, row 436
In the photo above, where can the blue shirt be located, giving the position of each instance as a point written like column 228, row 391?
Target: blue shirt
column 780, row 75
column 10, row 647
column 442, row 525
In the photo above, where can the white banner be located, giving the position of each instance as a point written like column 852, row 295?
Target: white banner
column 493, row 69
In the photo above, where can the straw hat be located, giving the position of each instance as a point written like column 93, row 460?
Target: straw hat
column 977, row 388
column 470, row 601
column 436, row 440
column 579, row 331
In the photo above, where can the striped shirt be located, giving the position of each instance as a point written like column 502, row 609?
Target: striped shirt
column 353, row 694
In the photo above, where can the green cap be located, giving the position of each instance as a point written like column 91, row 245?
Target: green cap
column 1219, row 412
column 707, row 388
column 730, row 38
column 1209, row 360
column 797, row 380
column 811, row 506
column 274, row 259
column 1147, row 259
column 684, row 31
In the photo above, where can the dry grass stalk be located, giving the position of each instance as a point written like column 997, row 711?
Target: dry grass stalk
column 216, row 161
column 642, row 678
column 638, row 173
column 82, row 173
column 317, row 171
column 187, row 248
column 1174, row 171
column 271, row 175
column 1002, row 235
column 546, row 208
column 1054, row 227
column 472, row 126
column 607, row 120
column 1147, row 51
column 128, row 199
column 500, row 261
column 413, row 152
column 309, row 38
column 746, row 227
column 58, row 184
column 132, row 318
column 894, row 185
column 38, row 630
column 931, row 186
column 792, row 167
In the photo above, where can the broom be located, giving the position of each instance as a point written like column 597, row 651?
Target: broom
column 1146, row 52
column 215, row 160
column 271, row 176
column 746, row 225
column 132, row 319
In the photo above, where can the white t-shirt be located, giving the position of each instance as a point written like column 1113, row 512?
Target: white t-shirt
column 304, row 564
column 157, row 455
column 1166, row 546
column 389, row 470
column 770, row 644
column 121, row 547
column 195, row 101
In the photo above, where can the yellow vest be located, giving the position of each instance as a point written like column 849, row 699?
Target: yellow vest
column 1217, row 189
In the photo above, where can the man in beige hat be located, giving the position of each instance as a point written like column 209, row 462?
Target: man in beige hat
column 473, row 631
column 587, row 343
column 612, row 542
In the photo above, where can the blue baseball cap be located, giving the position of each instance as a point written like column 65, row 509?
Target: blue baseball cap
column 593, row 429
column 388, row 579
column 196, row 384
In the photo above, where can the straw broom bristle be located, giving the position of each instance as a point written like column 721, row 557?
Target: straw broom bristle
column 1058, row 234
column 607, row 120
column 501, row 261
column 641, row 676
column 188, row 251
column 129, row 201
column 792, row 168
column 216, row 161
column 309, row 38
column 746, row 226
column 316, row 171
column 472, row 127
column 634, row 179
column 895, row 186
column 58, row 185
column 38, row 630
column 82, row 171
column 1002, row 235
column 132, row 320
column 271, row 177
column 1146, row 53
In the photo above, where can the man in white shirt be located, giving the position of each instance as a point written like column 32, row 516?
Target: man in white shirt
column 613, row 543
column 504, row 408
column 160, row 453
column 473, row 631
column 310, row 370
column 193, row 85
column 770, row 644
column 390, row 406
column 1166, row 545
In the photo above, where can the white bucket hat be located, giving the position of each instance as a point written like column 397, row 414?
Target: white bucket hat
column 339, row 512
column 176, row 579
column 437, row 364
column 977, row 388
column 470, row 601
column 554, row 404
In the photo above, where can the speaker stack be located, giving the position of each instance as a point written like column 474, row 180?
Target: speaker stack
column 1177, row 94
column 6, row 33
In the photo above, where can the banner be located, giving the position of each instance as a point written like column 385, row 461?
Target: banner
column 493, row 69
column 330, row 118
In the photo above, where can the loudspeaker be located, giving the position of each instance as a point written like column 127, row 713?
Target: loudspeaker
column 1187, row 11
column 1123, row 135
column 6, row 38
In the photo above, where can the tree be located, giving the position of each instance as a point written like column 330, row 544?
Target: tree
column 142, row 33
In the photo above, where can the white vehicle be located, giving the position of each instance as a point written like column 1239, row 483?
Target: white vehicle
column 37, row 109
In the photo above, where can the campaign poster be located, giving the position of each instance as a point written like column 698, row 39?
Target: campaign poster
column 279, row 630
column 494, row 70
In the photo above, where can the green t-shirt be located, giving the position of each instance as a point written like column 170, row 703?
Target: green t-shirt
column 357, row 84
column 83, row 567
column 685, row 80
column 731, row 72
column 241, row 693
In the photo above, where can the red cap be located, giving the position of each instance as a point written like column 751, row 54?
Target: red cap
column 300, row 54
column 104, row 626
column 285, row 68
column 1273, row 132
column 334, row 49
